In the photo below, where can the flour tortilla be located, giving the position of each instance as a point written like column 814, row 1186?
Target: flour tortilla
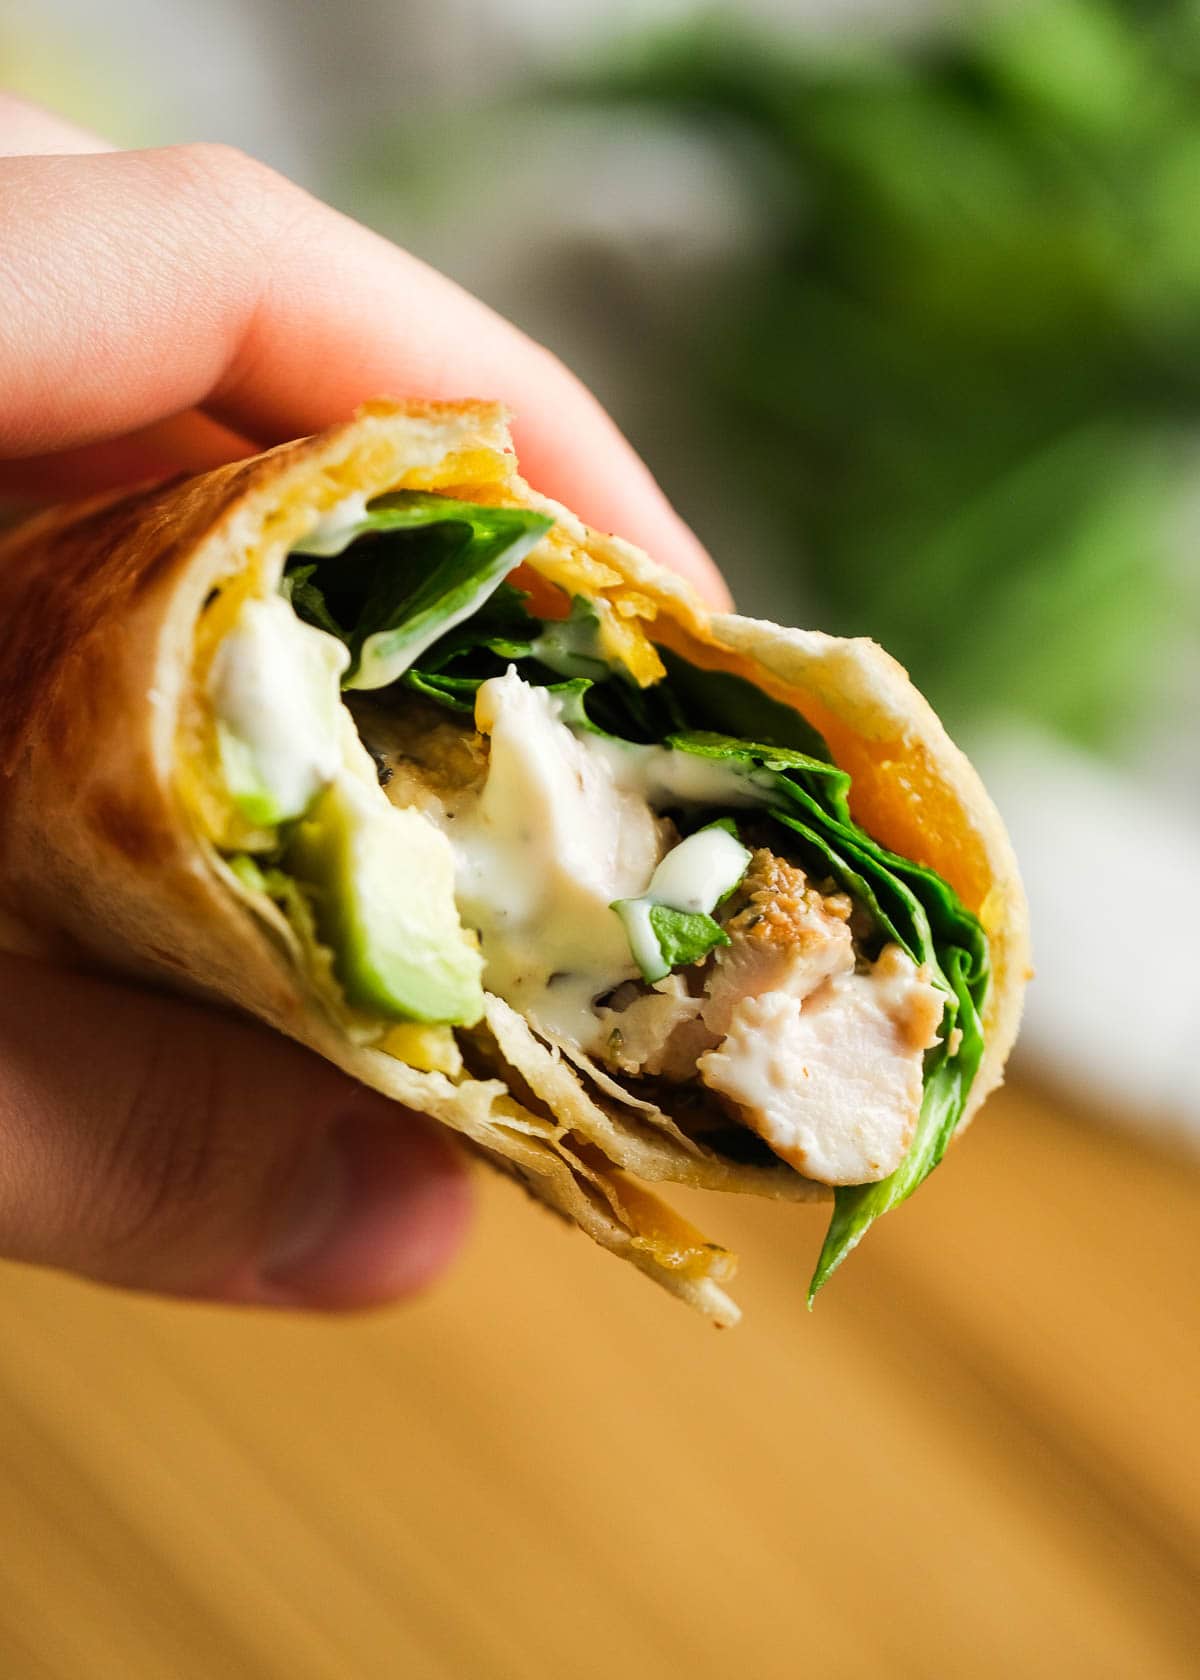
column 101, row 863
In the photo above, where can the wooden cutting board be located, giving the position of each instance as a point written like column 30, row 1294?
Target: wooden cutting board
column 976, row 1458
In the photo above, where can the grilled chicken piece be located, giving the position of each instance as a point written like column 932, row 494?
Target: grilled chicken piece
column 659, row 1032
column 427, row 757
column 833, row 1082
column 784, row 936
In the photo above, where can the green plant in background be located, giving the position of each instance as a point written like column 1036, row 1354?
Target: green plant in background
column 44, row 59
column 962, row 367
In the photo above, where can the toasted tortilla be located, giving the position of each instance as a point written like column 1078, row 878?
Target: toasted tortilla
column 102, row 862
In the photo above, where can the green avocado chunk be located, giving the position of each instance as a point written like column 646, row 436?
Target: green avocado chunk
column 381, row 882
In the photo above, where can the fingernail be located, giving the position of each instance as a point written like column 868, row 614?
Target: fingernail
column 377, row 1215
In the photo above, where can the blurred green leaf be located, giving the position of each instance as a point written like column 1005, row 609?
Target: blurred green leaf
column 957, row 371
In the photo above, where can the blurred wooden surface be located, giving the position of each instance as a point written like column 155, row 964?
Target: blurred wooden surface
column 977, row 1458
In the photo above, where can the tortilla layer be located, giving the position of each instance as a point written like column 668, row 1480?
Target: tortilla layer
column 101, row 863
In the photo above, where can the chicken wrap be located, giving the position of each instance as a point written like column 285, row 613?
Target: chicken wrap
column 365, row 737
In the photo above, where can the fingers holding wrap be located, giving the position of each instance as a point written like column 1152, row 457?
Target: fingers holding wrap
column 148, row 1142
column 142, row 285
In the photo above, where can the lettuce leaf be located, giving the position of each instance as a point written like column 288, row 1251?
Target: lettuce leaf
column 428, row 563
column 722, row 700
column 502, row 628
column 307, row 599
column 947, row 1083
column 684, row 936
column 504, row 632
column 571, row 646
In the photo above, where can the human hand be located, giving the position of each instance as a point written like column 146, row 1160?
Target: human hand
column 171, row 310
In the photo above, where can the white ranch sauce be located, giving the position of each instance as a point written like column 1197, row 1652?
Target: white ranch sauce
column 566, row 824
column 336, row 528
column 274, row 687
column 551, row 841
column 694, row 876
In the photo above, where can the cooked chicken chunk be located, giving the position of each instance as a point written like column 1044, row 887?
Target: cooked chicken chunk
column 784, row 936
column 660, row 1032
column 427, row 758
column 833, row 1081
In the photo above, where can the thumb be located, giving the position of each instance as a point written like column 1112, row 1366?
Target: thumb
column 148, row 1142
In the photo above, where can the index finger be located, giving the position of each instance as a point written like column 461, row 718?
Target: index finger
column 142, row 284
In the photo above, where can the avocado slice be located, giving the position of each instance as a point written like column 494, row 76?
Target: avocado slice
column 381, row 881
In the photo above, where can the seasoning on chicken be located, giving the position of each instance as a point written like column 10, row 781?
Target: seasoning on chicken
column 784, row 936
column 427, row 758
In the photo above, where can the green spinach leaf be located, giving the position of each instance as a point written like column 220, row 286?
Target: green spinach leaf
column 684, row 936
column 420, row 565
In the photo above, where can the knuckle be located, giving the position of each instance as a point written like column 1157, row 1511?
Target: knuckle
column 214, row 165
column 220, row 180
column 229, row 188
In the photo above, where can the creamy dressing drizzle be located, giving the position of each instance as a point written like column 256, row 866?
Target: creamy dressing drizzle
column 694, row 876
column 550, row 842
column 567, row 823
column 274, row 688
column 665, row 776
column 336, row 528
column 697, row 874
